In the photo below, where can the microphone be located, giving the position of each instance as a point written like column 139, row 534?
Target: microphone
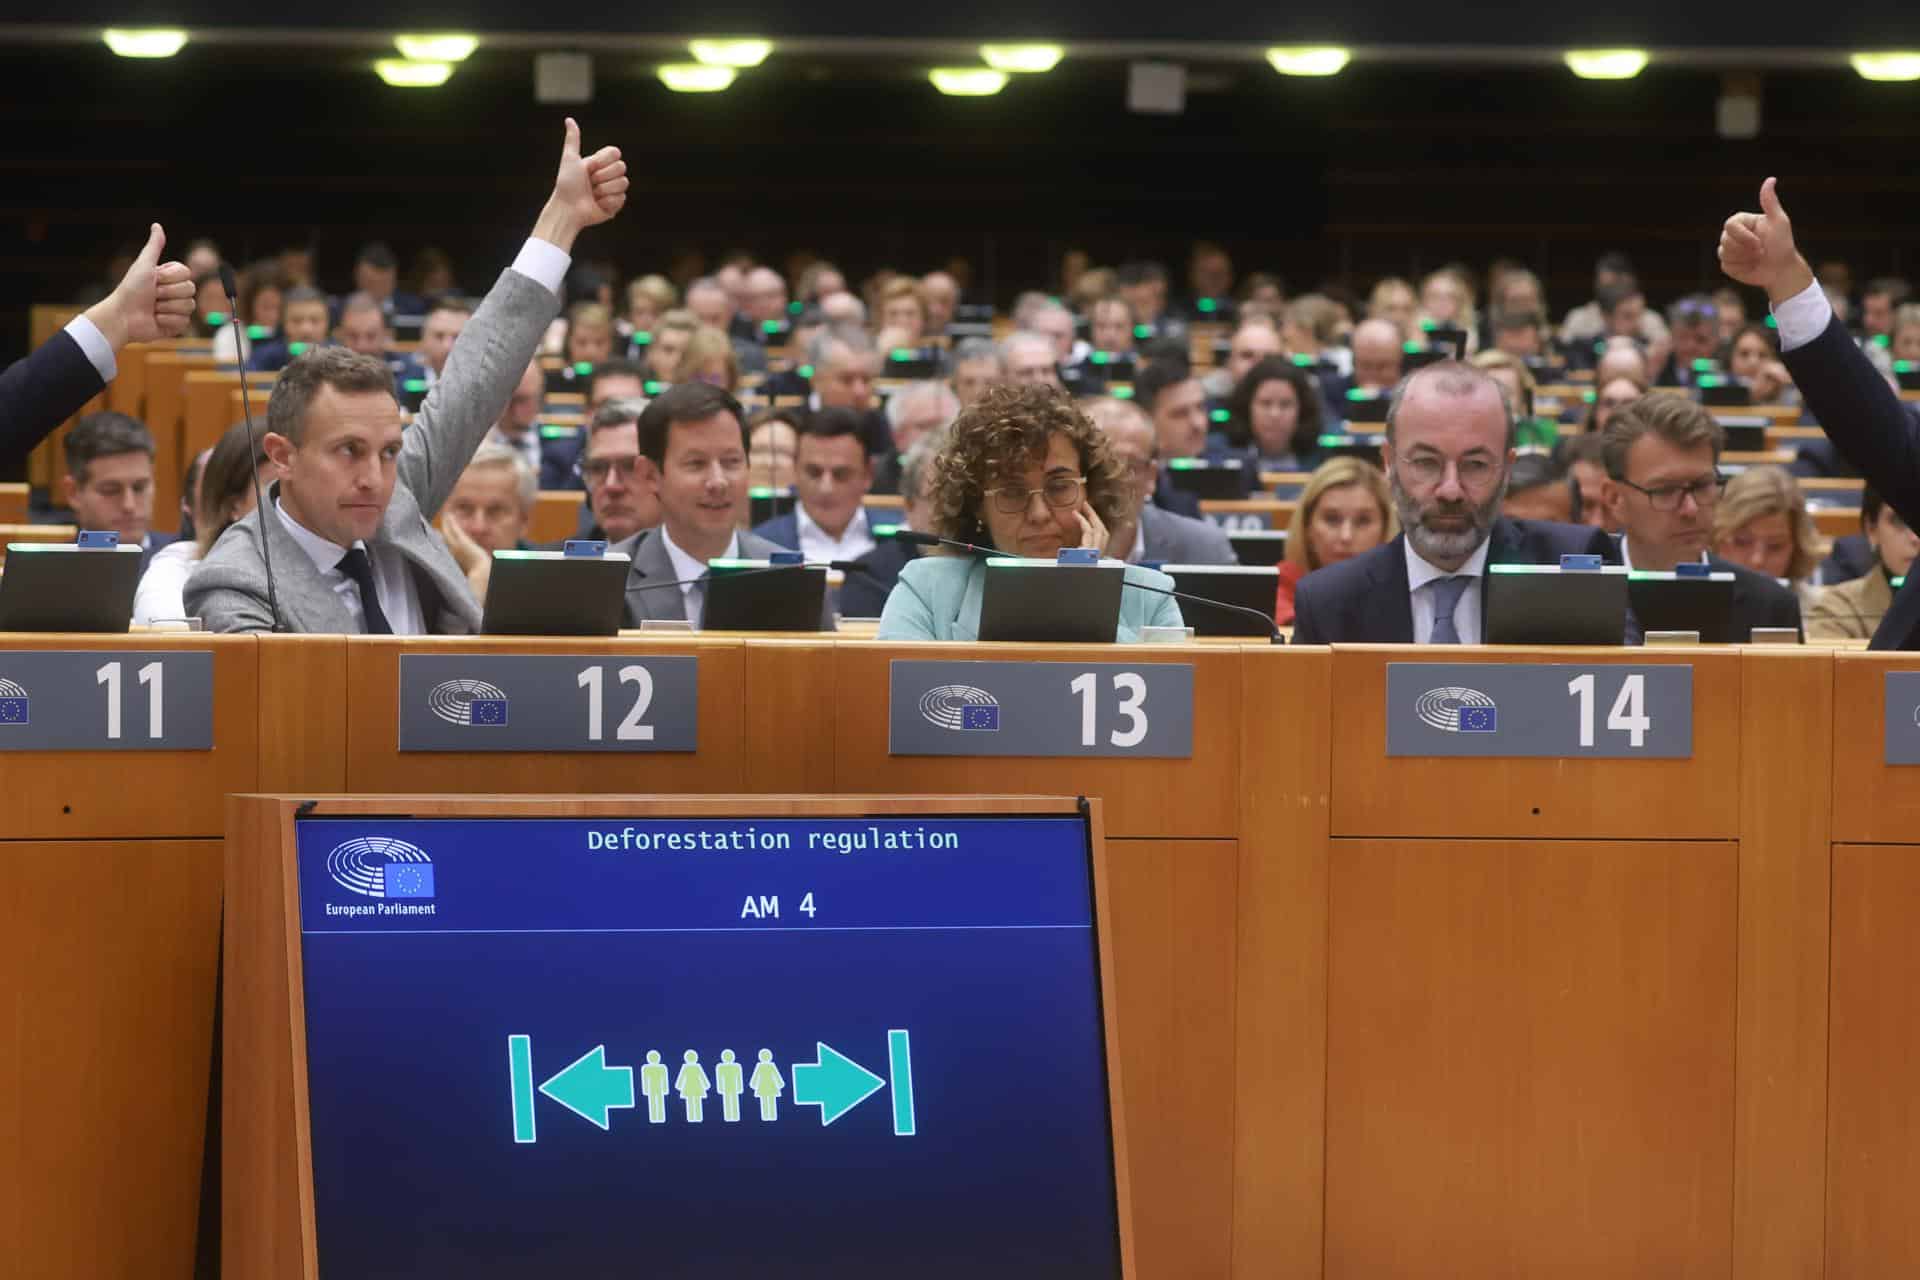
column 913, row 537
column 232, row 291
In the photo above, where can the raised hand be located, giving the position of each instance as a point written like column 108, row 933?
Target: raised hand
column 1758, row 249
column 587, row 191
column 153, row 300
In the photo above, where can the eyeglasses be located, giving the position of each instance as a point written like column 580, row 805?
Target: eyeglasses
column 596, row 470
column 1058, row 491
column 1705, row 492
column 1430, row 469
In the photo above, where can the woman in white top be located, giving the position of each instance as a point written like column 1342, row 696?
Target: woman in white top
column 225, row 495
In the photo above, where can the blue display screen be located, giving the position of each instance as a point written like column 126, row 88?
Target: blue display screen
column 847, row 1047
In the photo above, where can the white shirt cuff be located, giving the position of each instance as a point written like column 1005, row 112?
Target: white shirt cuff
column 94, row 343
column 1803, row 317
column 544, row 261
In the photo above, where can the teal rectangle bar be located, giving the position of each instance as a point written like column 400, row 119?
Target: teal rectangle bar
column 520, row 1068
column 900, row 1068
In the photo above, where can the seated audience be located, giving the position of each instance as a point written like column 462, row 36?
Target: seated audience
column 1881, row 300
column 518, row 429
column 109, row 480
column 648, row 298
column 1446, row 302
column 1754, row 359
column 1378, row 354
column 1177, row 403
column 1584, row 457
column 1110, row 326
column 445, row 320
column 1344, row 510
column 1144, row 286
column 1448, row 449
column 1694, row 324
column 487, row 512
column 976, row 366
column 619, row 501
column 709, row 358
column 915, row 410
column 1905, row 344
column 713, row 306
column 941, row 292
column 864, row 593
column 1611, row 396
column 364, row 329
column 903, row 313
column 832, row 475
column 1763, row 525
column 224, row 493
column 1588, row 322
column 1393, row 301
column 42, row 389
column 1026, row 473
column 1031, row 359
column 376, row 274
column 670, row 338
column 261, row 296
column 1274, row 415
column 1663, row 484
column 589, row 337
column 1537, row 489
column 1622, row 358
column 1517, row 381
column 1310, row 330
column 352, row 551
column 764, row 302
column 693, row 448
column 1520, row 334
column 773, row 442
column 1142, row 532
column 303, row 325
column 1852, row 610
column 615, row 380
column 845, row 365
column 1256, row 338
column 1730, row 311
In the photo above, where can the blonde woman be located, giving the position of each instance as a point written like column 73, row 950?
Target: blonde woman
column 709, row 358
column 1761, row 523
column 1344, row 510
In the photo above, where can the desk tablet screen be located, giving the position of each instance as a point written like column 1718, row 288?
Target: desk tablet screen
column 846, row 1047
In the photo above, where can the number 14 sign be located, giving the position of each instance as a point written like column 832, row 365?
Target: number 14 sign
column 1530, row 709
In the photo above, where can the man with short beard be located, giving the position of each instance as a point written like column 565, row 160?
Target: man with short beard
column 1448, row 452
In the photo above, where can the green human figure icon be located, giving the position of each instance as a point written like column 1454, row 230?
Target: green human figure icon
column 693, row 1086
column 729, row 1083
column 766, row 1084
column 653, row 1084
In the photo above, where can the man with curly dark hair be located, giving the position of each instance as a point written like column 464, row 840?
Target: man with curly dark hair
column 1024, row 471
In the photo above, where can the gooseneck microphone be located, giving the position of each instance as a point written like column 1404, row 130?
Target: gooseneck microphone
column 914, row 537
column 228, row 287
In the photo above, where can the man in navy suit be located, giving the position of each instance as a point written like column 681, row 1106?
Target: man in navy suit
column 109, row 480
column 1860, row 413
column 1449, row 446
column 153, row 300
column 832, row 473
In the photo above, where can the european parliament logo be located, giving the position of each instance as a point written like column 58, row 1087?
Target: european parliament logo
column 468, row 703
column 1453, row 709
column 13, row 703
column 381, row 867
column 962, row 708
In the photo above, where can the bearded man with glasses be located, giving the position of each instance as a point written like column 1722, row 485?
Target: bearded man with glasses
column 1449, row 448
column 1662, row 455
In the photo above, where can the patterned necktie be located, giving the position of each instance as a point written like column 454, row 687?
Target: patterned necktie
column 359, row 568
column 1446, row 598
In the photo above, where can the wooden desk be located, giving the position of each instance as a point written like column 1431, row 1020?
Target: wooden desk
column 13, row 504
column 166, row 410
column 556, row 515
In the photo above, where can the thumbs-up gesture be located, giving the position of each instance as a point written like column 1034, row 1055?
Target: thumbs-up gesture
column 591, row 189
column 1758, row 249
column 153, row 300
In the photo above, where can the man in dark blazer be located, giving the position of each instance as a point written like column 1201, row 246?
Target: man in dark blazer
column 1860, row 413
column 1449, row 445
column 153, row 300
column 109, row 480
column 1662, row 455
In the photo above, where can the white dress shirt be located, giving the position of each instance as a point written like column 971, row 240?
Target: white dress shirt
column 1466, row 615
column 688, row 571
column 1139, row 551
column 1803, row 317
column 163, row 587
column 94, row 343
column 1626, row 554
column 819, row 546
column 392, row 583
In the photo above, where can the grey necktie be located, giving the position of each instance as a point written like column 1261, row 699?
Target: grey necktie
column 1446, row 598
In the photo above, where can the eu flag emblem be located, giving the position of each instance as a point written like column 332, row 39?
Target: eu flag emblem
column 1479, row 719
column 409, row 879
column 13, row 711
column 987, row 718
column 488, row 711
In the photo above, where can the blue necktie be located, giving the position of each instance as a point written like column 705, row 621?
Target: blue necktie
column 1446, row 598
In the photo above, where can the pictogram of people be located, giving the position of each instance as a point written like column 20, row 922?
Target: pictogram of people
column 766, row 1084
column 653, row 1084
column 729, row 1082
column 693, row 1086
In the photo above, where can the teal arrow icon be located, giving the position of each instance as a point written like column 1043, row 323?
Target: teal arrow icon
column 590, row 1088
column 833, row 1082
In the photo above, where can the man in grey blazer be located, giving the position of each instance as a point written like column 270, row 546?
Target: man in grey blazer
column 347, row 519
column 1155, row 535
column 693, row 452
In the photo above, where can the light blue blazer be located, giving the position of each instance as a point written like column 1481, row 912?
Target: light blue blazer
column 938, row 598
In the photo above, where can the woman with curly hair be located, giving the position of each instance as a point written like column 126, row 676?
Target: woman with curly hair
column 1025, row 472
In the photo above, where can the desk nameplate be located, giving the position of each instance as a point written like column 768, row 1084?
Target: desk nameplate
column 954, row 708
column 1558, row 710
column 548, row 702
column 106, row 700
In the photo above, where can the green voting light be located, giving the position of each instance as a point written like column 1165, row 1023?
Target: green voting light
column 1711, row 382
column 1771, row 323
column 1412, row 348
column 885, row 530
column 1898, row 582
column 1143, row 331
column 583, row 367
column 1703, row 366
column 1355, row 393
column 795, row 308
column 554, row 431
column 772, row 326
column 805, row 371
column 298, row 348
column 641, row 338
column 1120, row 393
column 1220, row 415
column 216, row 318
column 1427, row 326
column 1588, row 396
column 1206, row 306
column 1882, row 341
column 1904, row 366
column 902, row 354
column 1185, row 464
column 653, row 387
column 414, row 384
column 1099, row 357
column 1304, row 362
column 258, row 333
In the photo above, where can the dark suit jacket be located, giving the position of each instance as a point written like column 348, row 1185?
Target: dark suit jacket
column 1366, row 600
column 782, row 531
column 1850, row 557
column 864, row 595
column 42, row 391
column 1873, row 431
column 1168, row 498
